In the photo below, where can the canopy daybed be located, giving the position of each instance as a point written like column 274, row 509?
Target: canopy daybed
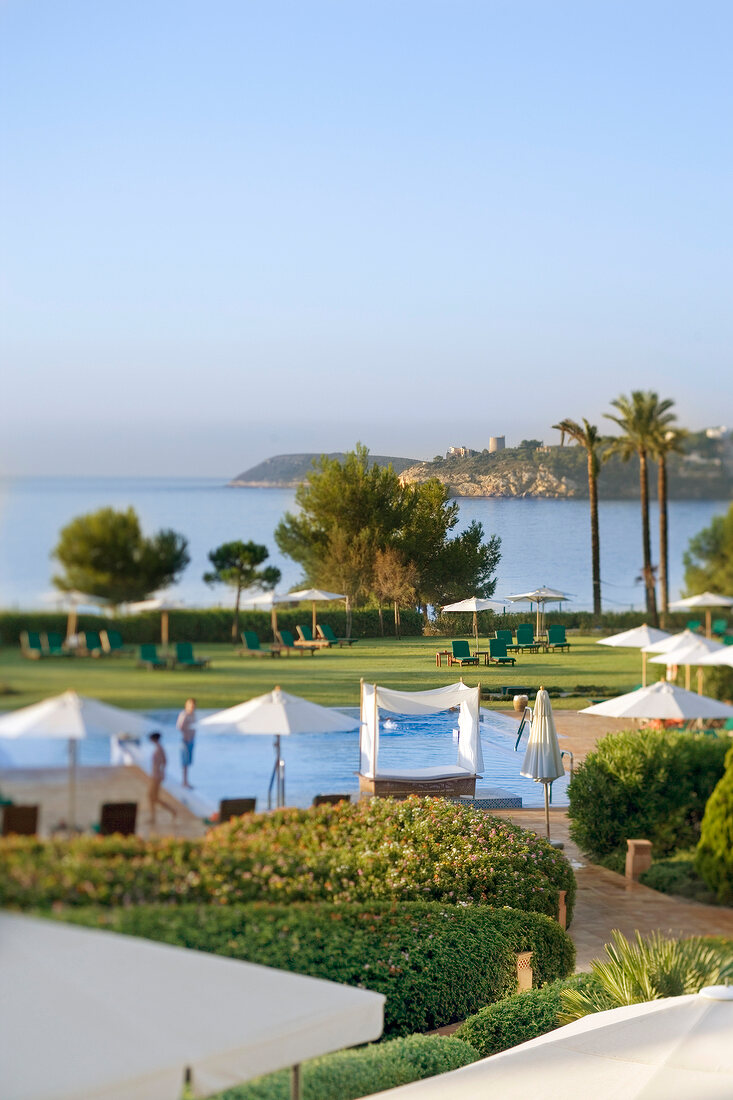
column 456, row 779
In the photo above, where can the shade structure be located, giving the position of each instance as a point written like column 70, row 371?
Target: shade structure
column 315, row 595
column 73, row 718
column 94, row 1014
column 663, row 701
column 278, row 714
column 74, row 602
column 677, row 1048
column 267, row 601
column 473, row 604
column 722, row 656
column 690, row 650
column 703, row 601
column 164, row 604
column 541, row 596
column 638, row 638
column 543, row 759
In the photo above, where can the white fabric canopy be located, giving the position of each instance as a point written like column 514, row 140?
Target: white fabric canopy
column 637, row 638
column 703, row 599
column 94, row 1014
column 277, row 713
column 722, row 656
column 688, row 652
column 661, row 700
column 317, row 594
column 73, row 717
column 473, row 603
column 433, row 701
column 684, row 640
column 678, row 1048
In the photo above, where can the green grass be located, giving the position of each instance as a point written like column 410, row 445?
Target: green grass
column 331, row 677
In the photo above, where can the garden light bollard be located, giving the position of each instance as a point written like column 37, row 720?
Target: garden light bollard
column 638, row 858
column 524, row 971
column 562, row 909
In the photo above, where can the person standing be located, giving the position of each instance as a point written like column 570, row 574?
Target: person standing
column 186, row 723
column 157, row 775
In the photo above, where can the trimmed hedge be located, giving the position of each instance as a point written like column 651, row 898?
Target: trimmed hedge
column 714, row 856
column 518, row 1018
column 643, row 783
column 419, row 849
column 435, row 963
column 349, row 1074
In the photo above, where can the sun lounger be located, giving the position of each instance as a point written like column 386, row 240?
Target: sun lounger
column 287, row 641
column 720, row 628
column 149, row 657
column 325, row 631
column 498, row 654
column 305, row 635
column 330, row 799
column 694, row 625
column 90, row 644
column 461, row 654
column 186, row 659
column 556, row 638
column 118, row 817
column 30, row 645
column 53, row 645
column 20, row 820
column 526, row 639
column 507, row 638
column 112, row 643
column 235, row 807
column 252, row 647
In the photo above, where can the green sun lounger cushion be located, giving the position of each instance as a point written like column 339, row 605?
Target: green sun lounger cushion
column 461, row 654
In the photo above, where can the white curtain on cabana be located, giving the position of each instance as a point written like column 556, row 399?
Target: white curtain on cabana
column 459, row 695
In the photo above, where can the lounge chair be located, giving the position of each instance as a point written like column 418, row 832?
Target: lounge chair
column 149, row 658
column 556, row 638
column 305, row 635
column 720, row 627
column 118, row 817
column 526, row 639
column 694, row 625
column 53, row 645
column 461, row 654
column 507, row 638
column 20, row 820
column 235, row 807
column 287, row 641
column 91, row 644
column 251, row 645
column 186, row 659
column 325, row 631
column 112, row 643
column 330, row 799
column 498, row 654
column 30, row 645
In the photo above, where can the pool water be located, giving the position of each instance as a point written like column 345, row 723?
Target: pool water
column 227, row 765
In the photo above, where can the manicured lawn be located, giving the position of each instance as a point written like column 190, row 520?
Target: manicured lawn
column 331, row 677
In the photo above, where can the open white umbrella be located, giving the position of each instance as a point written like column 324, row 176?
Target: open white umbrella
column 315, row 595
column 267, row 601
column 676, row 1048
column 474, row 604
column 164, row 604
column 74, row 602
column 94, row 1014
column 640, row 637
column 73, row 718
column 278, row 714
column 543, row 760
column 722, row 656
column 541, row 596
column 703, row 601
column 661, row 700
column 690, row 650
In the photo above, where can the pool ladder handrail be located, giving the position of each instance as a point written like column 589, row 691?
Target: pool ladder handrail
column 527, row 711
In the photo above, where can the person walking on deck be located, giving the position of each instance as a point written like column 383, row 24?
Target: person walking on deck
column 157, row 775
column 186, row 723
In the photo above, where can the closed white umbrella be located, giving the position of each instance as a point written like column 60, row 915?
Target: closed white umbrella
column 278, row 714
column 94, row 1014
column 690, row 650
column 474, row 604
column 676, row 1048
column 73, row 718
column 543, row 759
column 164, row 604
column 704, row 601
column 639, row 637
column 315, row 595
column 661, row 700
column 540, row 596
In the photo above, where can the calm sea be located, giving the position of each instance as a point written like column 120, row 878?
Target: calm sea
column 543, row 541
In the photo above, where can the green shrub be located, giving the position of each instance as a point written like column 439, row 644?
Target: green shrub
column 714, row 857
column 377, row 849
column 434, row 963
column 647, row 783
column 719, row 682
column 518, row 1018
column 677, row 875
column 349, row 1074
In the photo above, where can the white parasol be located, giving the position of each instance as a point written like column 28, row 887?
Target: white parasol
column 640, row 637
column 474, row 604
column 661, row 700
column 705, row 601
column 543, row 760
column 540, row 596
column 164, row 604
column 315, row 595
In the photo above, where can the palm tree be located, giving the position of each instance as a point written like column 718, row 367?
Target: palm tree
column 642, row 418
column 589, row 437
column 668, row 442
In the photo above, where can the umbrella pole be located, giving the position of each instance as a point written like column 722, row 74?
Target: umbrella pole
column 475, row 629
column 547, row 809
column 313, row 627
column 708, row 623
column 273, row 620
column 700, row 679
column 687, row 677
column 164, row 629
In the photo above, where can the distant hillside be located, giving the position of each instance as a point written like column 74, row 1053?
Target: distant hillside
column 288, row 471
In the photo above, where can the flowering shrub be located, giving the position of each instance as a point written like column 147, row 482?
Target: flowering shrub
column 420, row 849
column 435, row 963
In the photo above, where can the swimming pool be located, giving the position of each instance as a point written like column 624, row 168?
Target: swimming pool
column 227, row 765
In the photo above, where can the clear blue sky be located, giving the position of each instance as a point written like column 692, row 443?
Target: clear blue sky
column 233, row 228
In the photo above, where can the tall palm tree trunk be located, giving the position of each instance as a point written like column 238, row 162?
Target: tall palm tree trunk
column 595, row 541
column 648, row 572
column 663, row 536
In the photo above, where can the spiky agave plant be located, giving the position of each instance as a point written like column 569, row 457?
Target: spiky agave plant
column 651, row 967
